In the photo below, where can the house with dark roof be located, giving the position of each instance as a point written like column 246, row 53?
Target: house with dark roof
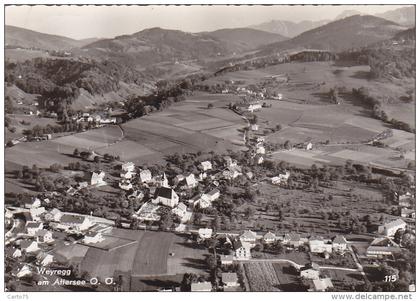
column 339, row 243
column 29, row 246
column 230, row 279
column 310, row 271
column 44, row 236
column 166, row 196
column 33, row 227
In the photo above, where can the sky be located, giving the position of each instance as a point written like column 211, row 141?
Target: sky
column 80, row 22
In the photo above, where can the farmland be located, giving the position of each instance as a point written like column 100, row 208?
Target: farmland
column 261, row 277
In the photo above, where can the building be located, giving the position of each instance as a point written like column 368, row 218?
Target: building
column 125, row 185
column 29, row 246
column 310, row 271
column 97, row 179
column 382, row 247
column 269, row 238
column 339, row 243
column 294, row 240
column 205, row 233
column 242, row 250
column 129, row 166
column 54, row 215
column 180, row 210
column 248, row 236
column 190, row 181
column 74, row 222
column 32, row 203
column 13, row 252
column 318, row 245
column 44, row 259
column 127, row 174
column 408, row 213
column 260, row 150
column 44, row 236
column 230, row 162
column 161, row 181
column 93, row 237
column 281, row 179
column 389, row 229
column 33, row 227
column 308, row 145
column 230, row 279
column 322, row 284
column 213, row 195
column 251, row 107
column 148, row 212
column 25, row 271
column 36, row 213
column 201, row 286
column 254, row 127
column 166, row 196
column 145, row 176
column 206, row 165
column 226, row 259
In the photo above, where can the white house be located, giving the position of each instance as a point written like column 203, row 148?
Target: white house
column 226, row 259
column 166, row 196
column 161, row 181
column 318, row 245
column 145, row 176
column 322, row 284
column 206, row 165
column 251, row 107
column 308, row 146
column 260, row 150
column 254, row 127
column 128, row 174
column 75, row 222
column 190, row 181
column 281, row 179
column 54, row 215
column 242, row 250
column 205, row 233
column 44, row 259
column 269, row 237
column 339, row 243
column 97, row 179
column 148, row 212
column 230, row 279
column 389, row 229
column 212, row 195
column 129, row 166
column 44, row 236
column 36, row 213
column 29, row 246
column 125, row 185
column 24, row 271
column 248, row 236
column 33, row 227
column 310, row 271
column 93, row 237
column 32, row 203
column 180, row 210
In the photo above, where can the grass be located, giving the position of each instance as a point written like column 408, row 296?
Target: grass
column 288, row 278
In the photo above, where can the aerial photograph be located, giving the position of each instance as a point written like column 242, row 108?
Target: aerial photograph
column 217, row 148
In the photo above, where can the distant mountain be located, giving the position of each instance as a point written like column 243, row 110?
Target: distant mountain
column 409, row 34
column 25, row 38
column 405, row 16
column 347, row 13
column 288, row 28
column 351, row 32
column 157, row 45
column 243, row 39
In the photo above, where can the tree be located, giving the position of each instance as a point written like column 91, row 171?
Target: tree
column 76, row 152
column 210, row 106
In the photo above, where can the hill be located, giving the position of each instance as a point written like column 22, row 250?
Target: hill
column 243, row 39
column 156, row 45
column 351, row 32
column 25, row 38
column 288, row 28
column 405, row 16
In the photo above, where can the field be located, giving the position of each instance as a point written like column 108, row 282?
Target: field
column 288, row 277
column 261, row 277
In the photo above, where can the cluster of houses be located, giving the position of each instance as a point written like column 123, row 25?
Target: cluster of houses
column 97, row 118
column 406, row 203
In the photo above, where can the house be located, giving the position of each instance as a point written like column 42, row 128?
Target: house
column 33, row 227
column 249, row 175
column 13, row 252
column 180, row 210
column 201, row 286
column 145, row 176
column 310, row 271
column 308, row 145
column 407, row 213
column 29, row 246
column 213, row 195
column 97, row 179
column 190, row 181
column 226, row 259
column 127, row 174
column 161, row 181
column 71, row 191
column 339, row 243
column 382, row 246
column 36, row 213
column 25, row 271
column 32, row 203
column 166, row 196
column 128, row 167
column 125, row 185
column 206, row 165
column 202, row 176
column 293, row 240
column 230, row 279
column 54, row 215
column 242, row 250
column 178, row 179
column 44, row 236
column 251, row 107
column 254, row 127
column 82, row 185
column 232, row 172
column 205, row 233
column 93, row 237
column 230, row 162
column 260, row 150
column 248, row 236
column 322, row 284
column 389, row 229
column 318, row 245
column 137, row 194
column 74, row 222
column 269, row 237
column 44, row 259
column 259, row 159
